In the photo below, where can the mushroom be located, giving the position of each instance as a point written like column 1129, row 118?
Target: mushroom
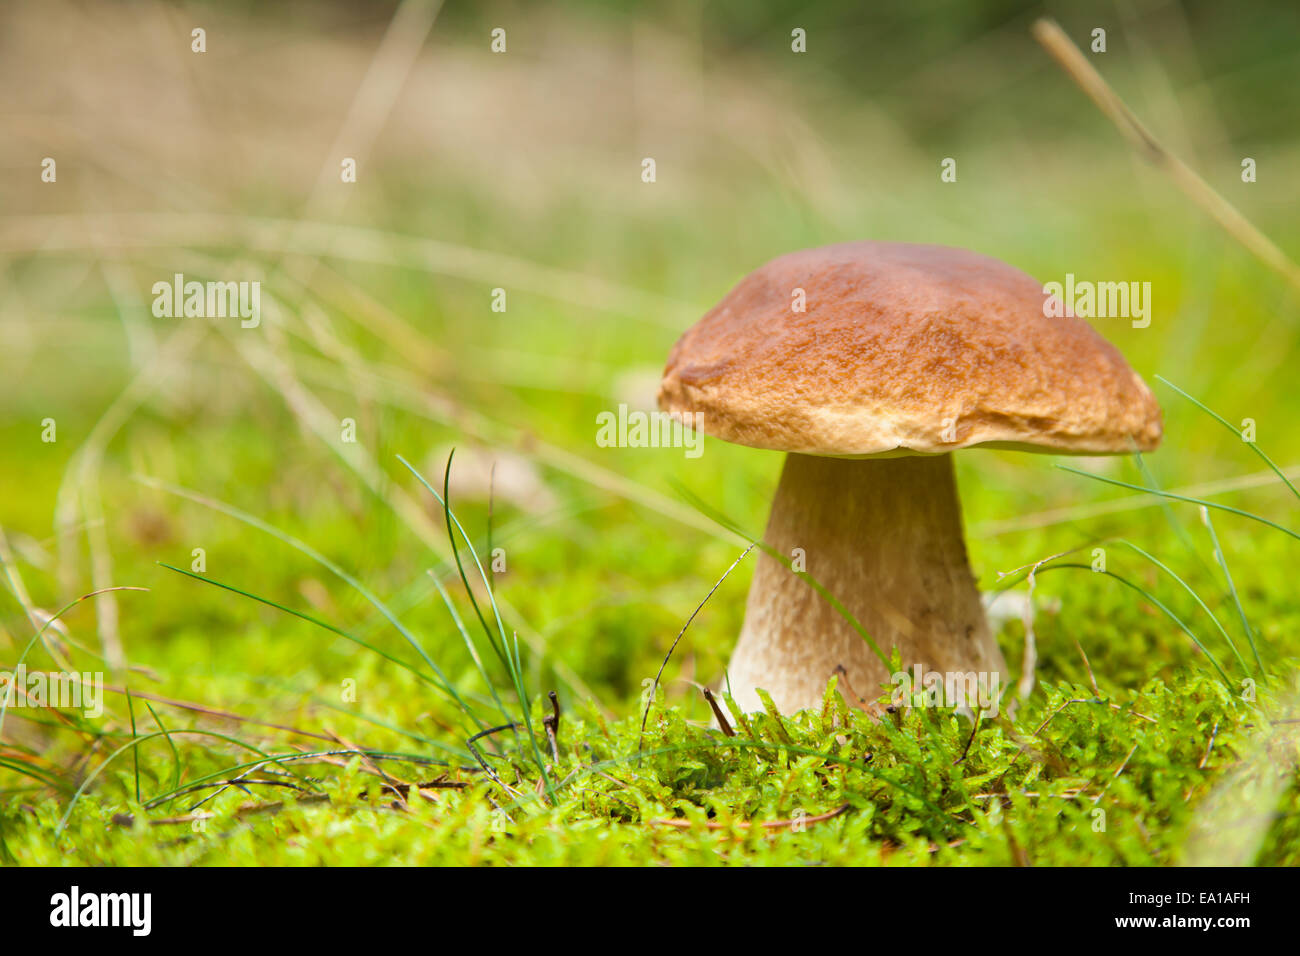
column 899, row 355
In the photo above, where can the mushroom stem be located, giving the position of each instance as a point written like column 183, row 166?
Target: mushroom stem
column 884, row 536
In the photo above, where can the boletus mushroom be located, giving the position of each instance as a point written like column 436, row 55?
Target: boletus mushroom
column 868, row 363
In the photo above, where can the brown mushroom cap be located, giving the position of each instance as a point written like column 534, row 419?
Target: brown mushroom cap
column 900, row 345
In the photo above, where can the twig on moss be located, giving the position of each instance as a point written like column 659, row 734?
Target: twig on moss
column 746, row 824
column 717, row 712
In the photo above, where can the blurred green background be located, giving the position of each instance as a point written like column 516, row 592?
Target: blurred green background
column 522, row 171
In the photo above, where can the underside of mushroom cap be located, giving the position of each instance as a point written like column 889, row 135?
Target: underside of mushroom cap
column 903, row 349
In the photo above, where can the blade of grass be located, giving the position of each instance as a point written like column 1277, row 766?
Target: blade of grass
column 176, row 754
column 37, row 636
column 513, row 664
column 1172, row 519
column 34, row 771
column 1232, row 589
column 455, row 551
column 1236, row 431
column 1055, row 516
column 651, row 698
column 438, row 682
column 723, row 521
column 1072, row 60
column 306, row 549
column 469, row 643
column 1195, row 501
column 286, row 758
column 135, row 754
column 136, row 741
column 1196, row 597
column 1150, row 597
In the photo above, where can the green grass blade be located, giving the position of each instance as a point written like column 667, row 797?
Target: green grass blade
column 136, row 742
column 1154, row 600
column 306, row 549
column 469, row 644
column 1167, row 509
column 1235, row 430
column 176, row 754
column 439, row 682
column 1195, row 501
column 512, row 662
column 4, row 705
column 1196, row 597
column 135, row 754
column 451, row 519
column 723, row 521
column 1232, row 589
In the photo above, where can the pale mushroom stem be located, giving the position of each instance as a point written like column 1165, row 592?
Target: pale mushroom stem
column 884, row 536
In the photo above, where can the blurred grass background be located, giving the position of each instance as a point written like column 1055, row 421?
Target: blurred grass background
column 522, row 171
